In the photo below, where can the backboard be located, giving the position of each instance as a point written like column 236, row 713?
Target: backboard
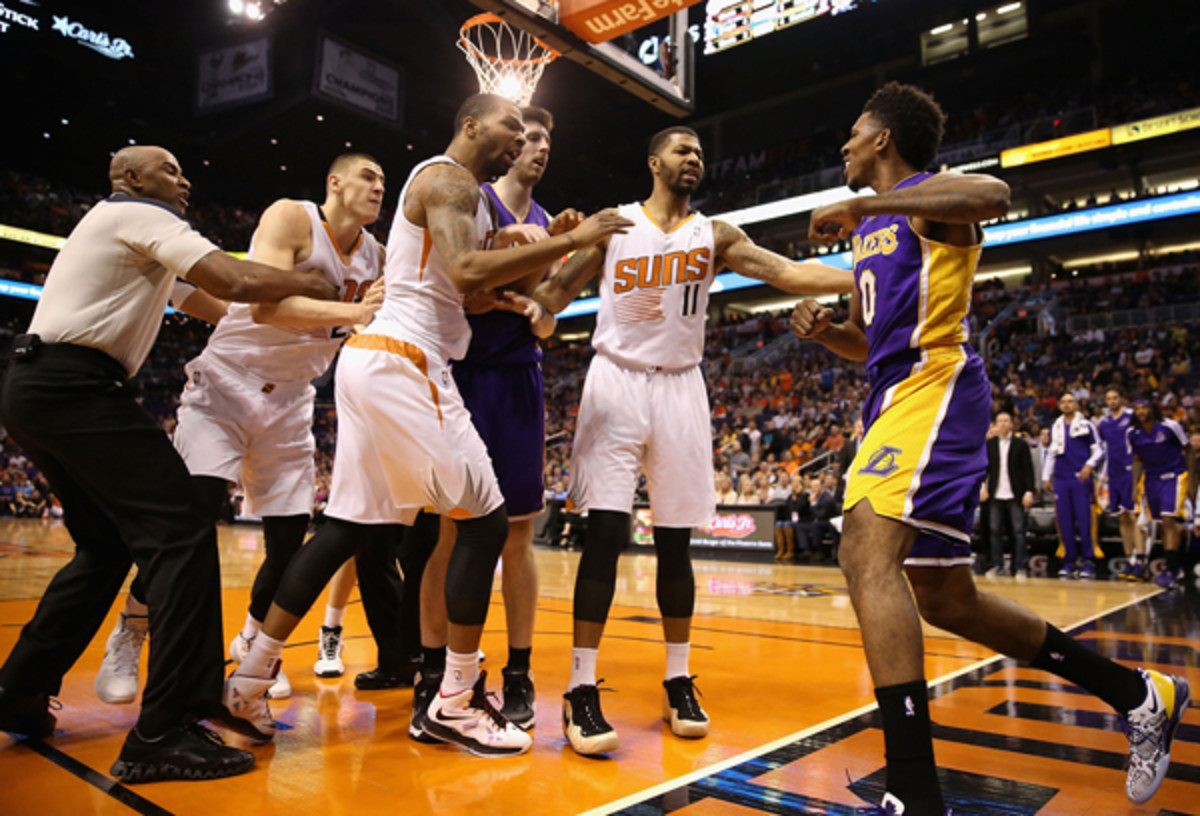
column 667, row 83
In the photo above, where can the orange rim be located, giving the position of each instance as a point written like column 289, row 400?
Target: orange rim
column 487, row 18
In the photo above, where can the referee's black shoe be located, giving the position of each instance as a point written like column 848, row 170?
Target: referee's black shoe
column 185, row 752
column 27, row 714
column 382, row 678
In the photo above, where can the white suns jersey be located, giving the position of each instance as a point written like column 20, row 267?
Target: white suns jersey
column 654, row 292
column 284, row 355
column 421, row 304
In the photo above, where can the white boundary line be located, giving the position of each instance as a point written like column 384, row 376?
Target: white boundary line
column 753, row 753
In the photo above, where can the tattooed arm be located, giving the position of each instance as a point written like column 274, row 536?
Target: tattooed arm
column 736, row 251
column 556, row 292
column 443, row 199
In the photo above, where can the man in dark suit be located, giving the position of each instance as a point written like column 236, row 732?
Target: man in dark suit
column 1010, row 486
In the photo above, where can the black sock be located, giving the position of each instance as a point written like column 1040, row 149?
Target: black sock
column 433, row 659
column 1121, row 688
column 908, row 741
column 518, row 659
column 1173, row 562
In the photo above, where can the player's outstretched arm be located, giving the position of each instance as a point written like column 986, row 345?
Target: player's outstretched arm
column 736, row 251
column 228, row 278
column 557, row 291
column 283, row 236
column 812, row 321
column 444, row 198
column 193, row 301
column 947, row 198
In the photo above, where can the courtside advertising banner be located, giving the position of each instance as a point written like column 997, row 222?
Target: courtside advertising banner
column 234, row 75
column 357, row 80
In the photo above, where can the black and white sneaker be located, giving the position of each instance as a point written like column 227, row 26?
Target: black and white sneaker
column 185, row 752
column 329, row 653
column 584, row 724
column 427, row 685
column 468, row 718
column 518, row 698
column 681, row 708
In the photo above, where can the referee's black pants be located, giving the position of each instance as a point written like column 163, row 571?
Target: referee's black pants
column 392, row 603
column 126, row 497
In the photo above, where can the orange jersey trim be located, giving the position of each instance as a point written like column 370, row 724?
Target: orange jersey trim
column 381, row 342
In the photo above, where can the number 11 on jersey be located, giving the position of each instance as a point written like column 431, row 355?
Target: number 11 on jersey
column 691, row 297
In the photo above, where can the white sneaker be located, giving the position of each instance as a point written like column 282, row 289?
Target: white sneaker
column 469, row 719
column 117, row 681
column 329, row 657
column 245, row 700
column 239, row 647
column 281, row 689
column 1150, row 728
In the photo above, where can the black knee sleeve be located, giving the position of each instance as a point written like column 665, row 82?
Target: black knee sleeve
column 675, row 584
column 282, row 538
column 472, row 567
column 607, row 535
column 315, row 564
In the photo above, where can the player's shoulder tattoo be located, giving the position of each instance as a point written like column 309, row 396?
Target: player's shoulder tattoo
column 725, row 234
column 450, row 186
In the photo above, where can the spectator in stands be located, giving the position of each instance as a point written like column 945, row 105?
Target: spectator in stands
column 724, row 489
column 739, row 460
column 1009, row 489
column 747, row 491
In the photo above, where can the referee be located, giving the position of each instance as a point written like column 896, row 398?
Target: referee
column 68, row 402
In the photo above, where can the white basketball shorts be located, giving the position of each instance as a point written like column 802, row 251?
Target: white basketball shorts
column 249, row 431
column 653, row 420
column 405, row 439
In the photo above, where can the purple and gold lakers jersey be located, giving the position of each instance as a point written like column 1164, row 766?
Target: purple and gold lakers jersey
column 914, row 292
column 1161, row 449
column 499, row 337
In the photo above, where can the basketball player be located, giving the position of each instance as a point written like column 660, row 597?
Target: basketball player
column 1074, row 455
column 914, row 484
column 246, row 412
column 500, row 380
column 1162, row 460
column 405, row 440
column 125, row 492
column 1113, row 428
column 645, row 406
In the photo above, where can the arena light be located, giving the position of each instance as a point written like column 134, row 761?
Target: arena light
column 253, row 11
column 942, row 29
column 1011, row 7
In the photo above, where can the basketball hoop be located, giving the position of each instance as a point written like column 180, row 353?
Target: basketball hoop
column 507, row 60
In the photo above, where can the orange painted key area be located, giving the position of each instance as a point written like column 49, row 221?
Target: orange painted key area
column 779, row 662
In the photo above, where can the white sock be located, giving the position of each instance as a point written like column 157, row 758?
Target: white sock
column 334, row 616
column 462, row 670
column 677, row 659
column 251, row 627
column 583, row 667
column 264, row 652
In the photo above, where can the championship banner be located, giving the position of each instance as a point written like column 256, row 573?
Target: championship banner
column 234, row 75
column 1056, row 148
column 1158, row 126
column 352, row 78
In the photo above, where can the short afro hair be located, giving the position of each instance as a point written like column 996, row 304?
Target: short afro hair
column 915, row 120
column 659, row 139
column 477, row 107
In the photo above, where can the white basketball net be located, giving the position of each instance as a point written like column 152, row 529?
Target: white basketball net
column 507, row 60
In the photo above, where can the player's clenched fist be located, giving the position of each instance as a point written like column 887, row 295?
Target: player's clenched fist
column 597, row 227
column 834, row 222
column 810, row 318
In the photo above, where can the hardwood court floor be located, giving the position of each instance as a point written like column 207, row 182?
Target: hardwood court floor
column 780, row 664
